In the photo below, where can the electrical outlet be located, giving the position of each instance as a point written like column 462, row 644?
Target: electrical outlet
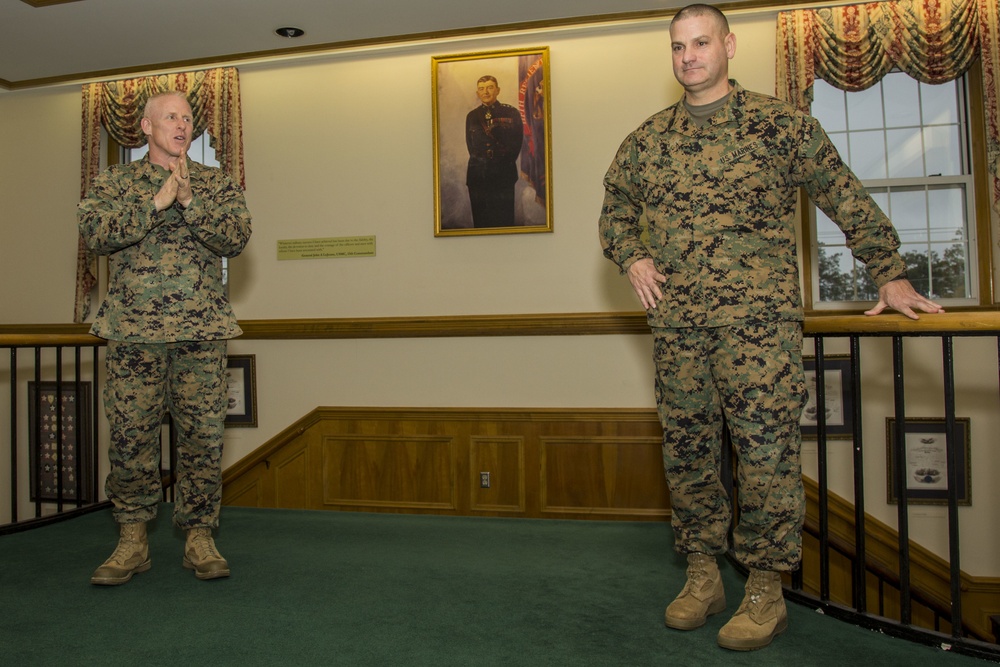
column 484, row 480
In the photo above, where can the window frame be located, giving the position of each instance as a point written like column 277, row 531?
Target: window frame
column 980, row 220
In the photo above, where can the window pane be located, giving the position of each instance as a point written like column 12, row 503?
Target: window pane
column 940, row 103
column 827, row 232
column 829, row 107
column 841, row 278
column 835, row 279
column 906, row 153
column 868, row 154
column 918, row 267
column 949, row 271
column 943, row 151
column 939, row 271
column 864, row 109
column 909, row 214
column 865, row 289
column 902, row 100
column 946, row 211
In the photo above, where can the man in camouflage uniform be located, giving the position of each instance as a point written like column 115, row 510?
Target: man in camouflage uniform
column 717, row 176
column 165, row 223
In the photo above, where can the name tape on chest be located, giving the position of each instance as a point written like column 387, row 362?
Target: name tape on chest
column 744, row 150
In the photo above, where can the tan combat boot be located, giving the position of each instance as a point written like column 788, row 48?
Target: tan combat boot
column 761, row 617
column 131, row 556
column 701, row 596
column 201, row 555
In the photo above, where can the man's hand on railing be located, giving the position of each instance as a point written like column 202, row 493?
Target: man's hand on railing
column 900, row 295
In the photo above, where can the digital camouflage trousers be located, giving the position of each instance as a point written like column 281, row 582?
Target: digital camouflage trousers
column 145, row 382
column 750, row 377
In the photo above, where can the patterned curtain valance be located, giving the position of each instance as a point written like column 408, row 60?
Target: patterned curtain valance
column 214, row 95
column 853, row 47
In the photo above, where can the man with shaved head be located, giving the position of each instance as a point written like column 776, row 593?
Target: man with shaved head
column 165, row 223
column 717, row 176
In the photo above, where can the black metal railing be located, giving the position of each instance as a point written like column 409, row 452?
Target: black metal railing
column 895, row 586
column 51, row 384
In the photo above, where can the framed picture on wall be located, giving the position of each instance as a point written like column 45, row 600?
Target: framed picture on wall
column 241, row 371
column 925, row 461
column 838, row 398
column 492, row 145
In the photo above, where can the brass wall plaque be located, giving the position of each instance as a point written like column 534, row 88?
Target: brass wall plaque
column 325, row 248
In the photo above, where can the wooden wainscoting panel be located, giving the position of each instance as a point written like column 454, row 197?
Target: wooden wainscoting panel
column 401, row 471
column 247, row 491
column 603, row 475
column 291, row 477
column 502, row 458
column 583, row 463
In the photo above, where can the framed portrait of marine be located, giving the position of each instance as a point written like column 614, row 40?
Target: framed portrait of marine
column 492, row 142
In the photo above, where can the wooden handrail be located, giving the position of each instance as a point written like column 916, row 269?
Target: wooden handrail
column 49, row 340
column 961, row 322
column 980, row 320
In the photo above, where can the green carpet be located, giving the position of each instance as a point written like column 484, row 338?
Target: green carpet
column 338, row 588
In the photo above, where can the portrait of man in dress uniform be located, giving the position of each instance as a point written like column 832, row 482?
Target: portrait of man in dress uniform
column 493, row 133
column 491, row 156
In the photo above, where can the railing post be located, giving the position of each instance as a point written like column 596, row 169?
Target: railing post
column 13, row 434
column 951, row 448
column 78, row 417
column 859, row 587
column 34, row 427
column 899, row 460
column 822, row 472
column 95, row 429
column 60, row 434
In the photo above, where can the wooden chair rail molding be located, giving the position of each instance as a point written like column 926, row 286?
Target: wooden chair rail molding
column 968, row 322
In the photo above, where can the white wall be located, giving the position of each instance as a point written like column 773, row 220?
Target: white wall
column 39, row 191
column 341, row 145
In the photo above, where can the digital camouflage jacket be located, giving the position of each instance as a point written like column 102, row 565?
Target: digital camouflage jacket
column 720, row 205
column 165, row 269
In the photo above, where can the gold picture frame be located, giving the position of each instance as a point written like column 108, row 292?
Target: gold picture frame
column 486, row 181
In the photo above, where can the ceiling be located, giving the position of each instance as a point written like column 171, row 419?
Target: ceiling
column 52, row 41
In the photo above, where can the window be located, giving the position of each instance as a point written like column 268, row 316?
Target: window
column 910, row 144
